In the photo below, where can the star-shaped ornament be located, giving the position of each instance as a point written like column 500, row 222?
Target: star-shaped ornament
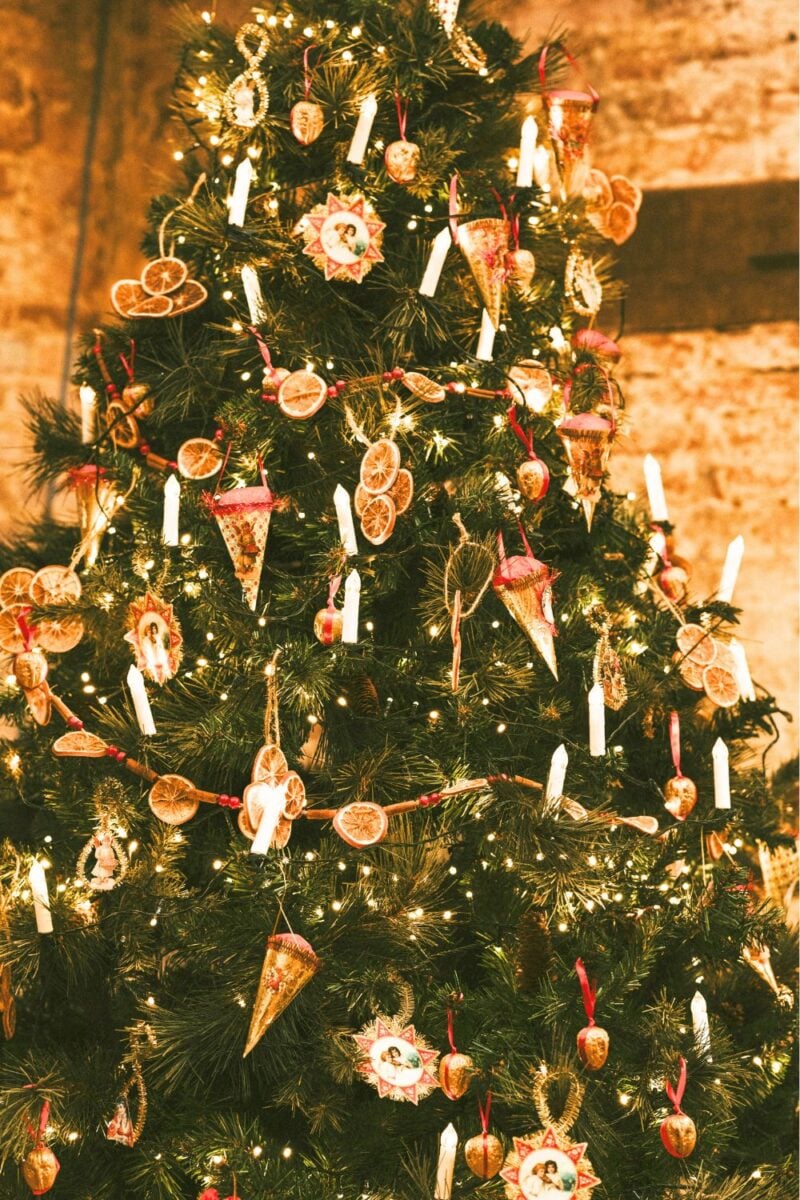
column 547, row 1163
column 396, row 1061
column 343, row 237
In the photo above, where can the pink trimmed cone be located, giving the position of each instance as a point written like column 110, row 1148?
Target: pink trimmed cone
column 587, row 439
column 243, row 516
column 521, row 583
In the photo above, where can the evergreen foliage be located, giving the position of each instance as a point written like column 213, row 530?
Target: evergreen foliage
column 492, row 894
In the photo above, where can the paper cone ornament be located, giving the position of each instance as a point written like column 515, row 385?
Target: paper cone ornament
column 288, row 965
column 569, row 117
column 96, row 497
column 525, row 585
column 587, row 439
column 243, row 516
column 484, row 243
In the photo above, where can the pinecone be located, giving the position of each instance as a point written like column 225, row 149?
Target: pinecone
column 534, row 950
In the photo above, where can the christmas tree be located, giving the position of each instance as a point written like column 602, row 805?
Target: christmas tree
column 380, row 821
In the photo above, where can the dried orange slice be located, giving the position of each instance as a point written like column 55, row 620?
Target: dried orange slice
column 199, row 458
column 423, row 388
column 721, row 686
column 163, row 275
column 377, row 519
column 361, row 824
column 244, row 823
column 620, row 222
column 151, row 306
column 402, row 490
column 725, row 657
column 283, row 831
column 360, row 498
column 79, row 744
column 170, row 801
column 190, row 296
column 11, row 639
column 696, row 644
column 122, row 427
column 269, row 765
column 126, row 294
column 301, row 395
column 60, row 634
column 294, row 795
column 626, row 192
column 691, row 673
column 597, row 190
column 380, row 465
column 15, row 586
column 55, row 585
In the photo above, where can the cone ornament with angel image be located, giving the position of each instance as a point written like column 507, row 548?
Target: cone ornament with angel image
column 289, row 964
column 484, row 242
column 587, row 439
column 525, row 587
column 569, row 117
column 243, row 516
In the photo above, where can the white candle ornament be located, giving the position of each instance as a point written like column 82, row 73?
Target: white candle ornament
column 597, row 722
column 448, row 1144
column 730, row 571
column 41, row 900
column 274, row 801
column 557, row 773
column 486, row 338
column 527, row 153
column 541, row 168
column 433, row 271
column 344, row 515
column 141, row 703
column 743, row 676
column 702, row 1033
column 172, row 510
column 722, row 775
column 655, row 490
column 88, row 398
column 253, row 296
column 358, row 146
column 237, row 205
column 352, row 600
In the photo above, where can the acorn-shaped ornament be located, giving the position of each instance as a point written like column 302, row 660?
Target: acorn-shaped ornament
column 138, row 400
column 40, row 1165
column 678, row 1131
column 533, row 477
column 455, row 1072
column 520, row 268
column 484, row 1154
column 592, row 1041
column 306, row 121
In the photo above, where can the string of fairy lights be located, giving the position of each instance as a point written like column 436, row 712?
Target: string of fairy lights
column 362, row 887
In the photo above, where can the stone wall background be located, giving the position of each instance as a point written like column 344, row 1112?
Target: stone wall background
column 694, row 92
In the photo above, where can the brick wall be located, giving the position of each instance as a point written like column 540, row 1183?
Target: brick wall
column 693, row 92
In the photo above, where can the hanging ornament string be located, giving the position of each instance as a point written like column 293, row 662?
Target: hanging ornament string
column 484, row 1111
column 572, row 1106
column 269, row 369
column 453, row 208
column 401, row 107
column 44, row 1117
column 451, row 1028
column 675, row 1094
column 128, row 363
column 162, row 229
column 588, row 990
column 508, row 214
column 272, row 730
column 525, row 438
column 454, row 599
column 675, row 742
column 308, row 73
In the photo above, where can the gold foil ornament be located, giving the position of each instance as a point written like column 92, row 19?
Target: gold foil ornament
column 569, row 118
column 289, row 964
column 306, row 121
column 587, row 438
column 484, row 244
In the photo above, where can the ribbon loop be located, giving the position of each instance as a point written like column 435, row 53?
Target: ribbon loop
column 402, row 114
column 525, row 438
column 675, row 1094
column 588, row 990
column 454, row 209
column 675, row 742
column 573, row 62
column 484, row 1110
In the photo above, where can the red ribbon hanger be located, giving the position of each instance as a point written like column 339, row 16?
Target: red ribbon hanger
column 573, row 62
column 127, row 363
column 675, row 1095
column 525, row 438
column 402, row 114
column 675, row 742
column 588, row 990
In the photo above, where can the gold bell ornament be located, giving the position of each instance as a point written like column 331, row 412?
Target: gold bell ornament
column 525, row 587
column 40, row 1165
column 569, row 119
column 592, row 1040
